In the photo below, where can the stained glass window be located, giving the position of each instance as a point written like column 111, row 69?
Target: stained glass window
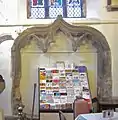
column 38, row 9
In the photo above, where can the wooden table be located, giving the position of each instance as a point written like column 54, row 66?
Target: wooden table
column 108, row 103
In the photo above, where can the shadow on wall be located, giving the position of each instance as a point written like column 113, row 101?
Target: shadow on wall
column 2, row 84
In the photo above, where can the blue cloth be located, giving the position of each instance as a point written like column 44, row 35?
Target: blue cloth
column 81, row 118
column 95, row 116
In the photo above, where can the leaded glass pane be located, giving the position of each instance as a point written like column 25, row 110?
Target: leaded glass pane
column 74, row 8
column 37, row 9
column 52, row 8
column 55, row 8
column 37, row 13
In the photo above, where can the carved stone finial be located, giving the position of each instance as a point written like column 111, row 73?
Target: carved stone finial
column 59, row 17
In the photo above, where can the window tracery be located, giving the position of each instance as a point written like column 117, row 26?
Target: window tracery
column 46, row 9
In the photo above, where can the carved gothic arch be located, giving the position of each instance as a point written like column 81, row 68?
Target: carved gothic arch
column 77, row 34
column 5, row 37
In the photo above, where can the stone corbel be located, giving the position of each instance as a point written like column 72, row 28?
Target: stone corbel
column 77, row 41
column 42, row 42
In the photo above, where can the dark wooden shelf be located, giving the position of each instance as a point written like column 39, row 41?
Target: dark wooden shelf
column 55, row 110
column 108, row 103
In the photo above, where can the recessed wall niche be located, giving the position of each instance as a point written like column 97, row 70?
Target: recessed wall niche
column 6, row 42
column 38, row 46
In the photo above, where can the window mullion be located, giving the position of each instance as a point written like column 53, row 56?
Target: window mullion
column 64, row 3
column 46, row 5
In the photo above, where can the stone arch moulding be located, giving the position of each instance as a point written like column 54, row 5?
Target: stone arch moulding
column 76, row 34
column 5, row 37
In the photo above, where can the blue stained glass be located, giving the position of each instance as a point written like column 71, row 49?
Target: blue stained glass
column 55, row 8
column 40, row 2
column 73, row 8
column 55, row 3
column 52, row 8
column 74, row 2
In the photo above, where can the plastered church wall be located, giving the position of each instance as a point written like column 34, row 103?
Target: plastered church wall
column 96, row 9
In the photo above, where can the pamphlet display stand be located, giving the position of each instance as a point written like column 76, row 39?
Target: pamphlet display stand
column 60, row 85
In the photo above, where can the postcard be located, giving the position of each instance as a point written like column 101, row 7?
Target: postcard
column 76, row 77
column 49, row 92
column 52, row 106
column 69, row 105
column 63, row 90
column 42, row 83
column 68, row 71
column 42, row 106
column 70, row 91
column 76, row 83
column 62, row 84
column 49, row 98
column 57, row 106
column 70, row 99
column 63, row 99
column 69, row 76
column 43, row 97
column 49, row 84
column 55, row 83
column 55, row 89
column 69, row 83
column 86, row 95
column 42, row 74
column 55, row 77
column 48, row 74
column 53, row 71
column 62, row 73
column 75, row 72
column 41, row 88
column 62, row 106
column 62, row 79
column 56, row 99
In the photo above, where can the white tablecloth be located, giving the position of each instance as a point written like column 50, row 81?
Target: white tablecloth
column 95, row 116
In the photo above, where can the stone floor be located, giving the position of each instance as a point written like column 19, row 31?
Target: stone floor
column 16, row 118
